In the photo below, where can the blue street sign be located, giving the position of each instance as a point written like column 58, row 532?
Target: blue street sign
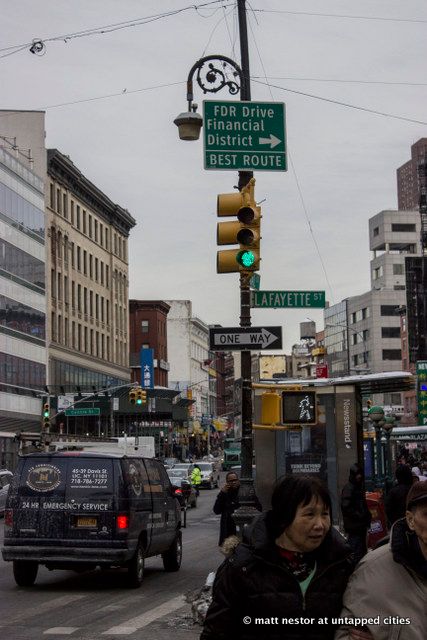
column 147, row 368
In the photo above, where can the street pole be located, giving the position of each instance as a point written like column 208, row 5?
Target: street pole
column 246, row 512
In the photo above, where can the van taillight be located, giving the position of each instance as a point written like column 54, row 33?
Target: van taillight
column 8, row 517
column 178, row 492
column 122, row 522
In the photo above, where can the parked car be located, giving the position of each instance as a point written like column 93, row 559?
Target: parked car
column 210, row 474
column 185, row 491
column 79, row 510
column 5, row 478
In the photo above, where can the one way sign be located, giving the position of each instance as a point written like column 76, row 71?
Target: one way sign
column 245, row 338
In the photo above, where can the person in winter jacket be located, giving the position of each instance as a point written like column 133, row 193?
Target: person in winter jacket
column 356, row 515
column 390, row 583
column 288, row 580
column 196, row 478
column 395, row 502
column 226, row 504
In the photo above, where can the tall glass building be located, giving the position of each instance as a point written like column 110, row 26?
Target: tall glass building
column 22, row 295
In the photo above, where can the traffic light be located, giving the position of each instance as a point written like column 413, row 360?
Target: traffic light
column 245, row 231
column 46, row 413
column 132, row 396
column 141, row 396
column 270, row 408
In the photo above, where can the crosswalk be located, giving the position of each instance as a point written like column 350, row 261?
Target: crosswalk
column 127, row 627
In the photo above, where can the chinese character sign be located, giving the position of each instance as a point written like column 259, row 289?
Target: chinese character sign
column 147, row 368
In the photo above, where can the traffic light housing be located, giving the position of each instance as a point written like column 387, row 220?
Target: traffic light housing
column 46, row 413
column 245, row 231
column 141, row 396
column 132, row 396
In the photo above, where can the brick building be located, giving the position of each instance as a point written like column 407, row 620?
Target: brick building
column 148, row 330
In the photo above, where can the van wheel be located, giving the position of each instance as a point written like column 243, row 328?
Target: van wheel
column 172, row 558
column 25, row 572
column 136, row 568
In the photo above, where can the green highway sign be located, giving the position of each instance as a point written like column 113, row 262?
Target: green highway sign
column 244, row 136
column 94, row 411
column 288, row 299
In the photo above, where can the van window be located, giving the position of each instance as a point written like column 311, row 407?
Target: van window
column 157, row 486
column 136, row 478
column 67, row 478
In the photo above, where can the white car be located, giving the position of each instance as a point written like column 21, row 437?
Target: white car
column 5, row 478
column 210, row 474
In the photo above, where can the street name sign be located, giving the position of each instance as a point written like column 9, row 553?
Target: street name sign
column 244, row 136
column 95, row 411
column 245, row 338
column 288, row 299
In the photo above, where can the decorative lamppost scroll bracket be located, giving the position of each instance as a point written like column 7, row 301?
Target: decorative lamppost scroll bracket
column 214, row 73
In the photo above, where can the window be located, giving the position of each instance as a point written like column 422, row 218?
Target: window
column 79, row 337
column 96, row 269
column 144, row 326
column 388, row 309
column 79, row 297
column 52, row 196
column 90, row 226
column 96, row 230
column 84, row 221
column 377, row 273
column 390, row 332
column 101, row 234
column 72, row 254
column 73, row 294
column 392, row 354
column 107, row 274
column 97, row 306
column 65, row 205
column 376, row 231
column 58, row 200
column 403, row 228
column 90, row 266
column 85, row 300
column 84, row 262
column 398, row 270
column 78, row 217
column 91, row 303
column 78, row 259
column 72, row 216
column 102, row 272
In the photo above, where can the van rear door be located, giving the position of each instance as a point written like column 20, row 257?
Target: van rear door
column 64, row 498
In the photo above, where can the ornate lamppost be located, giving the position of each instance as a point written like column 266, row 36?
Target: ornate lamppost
column 213, row 73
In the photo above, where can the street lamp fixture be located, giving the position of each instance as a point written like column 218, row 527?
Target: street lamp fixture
column 213, row 74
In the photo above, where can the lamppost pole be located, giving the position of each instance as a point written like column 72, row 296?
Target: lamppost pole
column 211, row 78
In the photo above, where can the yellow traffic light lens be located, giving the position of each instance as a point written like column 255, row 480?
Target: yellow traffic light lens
column 246, row 258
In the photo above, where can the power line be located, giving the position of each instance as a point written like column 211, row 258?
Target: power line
column 304, row 207
column 340, row 80
column 343, row 104
column 109, row 28
column 336, row 15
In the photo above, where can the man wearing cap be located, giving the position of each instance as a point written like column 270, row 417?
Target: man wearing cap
column 387, row 594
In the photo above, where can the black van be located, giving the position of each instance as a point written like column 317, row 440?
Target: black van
column 80, row 510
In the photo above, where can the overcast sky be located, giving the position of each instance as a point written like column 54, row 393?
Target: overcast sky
column 344, row 159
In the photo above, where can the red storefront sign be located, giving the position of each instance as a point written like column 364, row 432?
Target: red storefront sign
column 321, row 371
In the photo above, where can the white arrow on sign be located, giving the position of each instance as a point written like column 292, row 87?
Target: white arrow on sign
column 262, row 338
column 271, row 140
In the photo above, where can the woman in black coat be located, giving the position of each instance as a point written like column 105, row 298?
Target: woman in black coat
column 288, row 581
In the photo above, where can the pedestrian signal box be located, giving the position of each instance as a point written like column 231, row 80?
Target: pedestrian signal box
column 270, row 408
column 299, row 407
column 132, row 396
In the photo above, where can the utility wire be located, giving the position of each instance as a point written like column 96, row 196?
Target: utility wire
column 342, row 104
column 385, row 82
column 111, row 27
column 304, row 207
column 336, row 15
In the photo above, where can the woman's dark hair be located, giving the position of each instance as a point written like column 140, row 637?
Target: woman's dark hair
column 288, row 494
column 233, row 473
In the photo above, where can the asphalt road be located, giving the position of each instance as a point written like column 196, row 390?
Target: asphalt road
column 96, row 604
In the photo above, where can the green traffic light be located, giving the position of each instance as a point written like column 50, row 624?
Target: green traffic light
column 46, row 414
column 139, row 401
column 246, row 258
